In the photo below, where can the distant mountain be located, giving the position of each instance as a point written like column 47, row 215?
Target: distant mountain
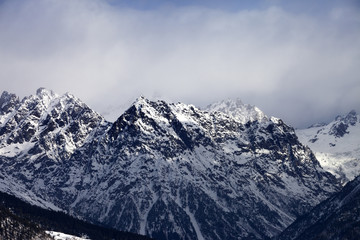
column 169, row 171
column 238, row 110
column 20, row 220
column 335, row 218
column 336, row 145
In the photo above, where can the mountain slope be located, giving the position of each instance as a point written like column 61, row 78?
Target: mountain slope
column 336, row 218
column 336, row 145
column 172, row 171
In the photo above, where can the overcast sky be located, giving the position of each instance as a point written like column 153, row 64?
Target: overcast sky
column 297, row 60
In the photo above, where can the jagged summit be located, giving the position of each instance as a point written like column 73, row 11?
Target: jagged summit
column 42, row 92
column 6, row 97
column 8, row 102
column 237, row 109
column 151, row 117
column 350, row 118
column 46, row 124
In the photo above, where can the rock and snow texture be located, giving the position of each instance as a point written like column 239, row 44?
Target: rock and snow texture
column 39, row 132
column 170, row 171
column 335, row 218
column 63, row 236
column 336, row 145
column 45, row 124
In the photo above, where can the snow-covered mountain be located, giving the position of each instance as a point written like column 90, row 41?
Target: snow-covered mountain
column 335, row 218
column 336, row 145
column 37, row 134
column 170, row 171
column 35, row 124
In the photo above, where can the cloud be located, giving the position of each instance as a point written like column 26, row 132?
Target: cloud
column 297, row 66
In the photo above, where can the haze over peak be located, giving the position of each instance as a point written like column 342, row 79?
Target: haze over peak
column 237, row 109
column 107, row 53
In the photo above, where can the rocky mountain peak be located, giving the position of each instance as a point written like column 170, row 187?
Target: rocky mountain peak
column 340, row 127
column 47, row 124
column 43, row 95
column 6, row 97
column 140, row 101
column 156, row 120
column 8, row 102
column 42, row 92
column 351, row 118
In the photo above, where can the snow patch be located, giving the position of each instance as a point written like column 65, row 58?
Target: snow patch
column 15, row 149
column 194, row 224
column 63, row 236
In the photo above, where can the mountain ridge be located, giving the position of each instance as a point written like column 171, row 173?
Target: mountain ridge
column 161, row 166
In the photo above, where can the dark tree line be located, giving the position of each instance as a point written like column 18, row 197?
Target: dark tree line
column 13, row 227
column 32, row 220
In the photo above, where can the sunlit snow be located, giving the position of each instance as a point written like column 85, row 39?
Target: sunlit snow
column 63, row 236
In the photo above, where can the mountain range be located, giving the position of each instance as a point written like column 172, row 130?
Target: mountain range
column 165, row 170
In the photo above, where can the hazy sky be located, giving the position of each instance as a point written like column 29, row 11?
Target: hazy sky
column 297, row 60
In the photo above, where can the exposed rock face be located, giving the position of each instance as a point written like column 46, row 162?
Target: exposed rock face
column 170, row 171
column 8, row 102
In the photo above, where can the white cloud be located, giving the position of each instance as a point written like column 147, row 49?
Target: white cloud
column 286, row 63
